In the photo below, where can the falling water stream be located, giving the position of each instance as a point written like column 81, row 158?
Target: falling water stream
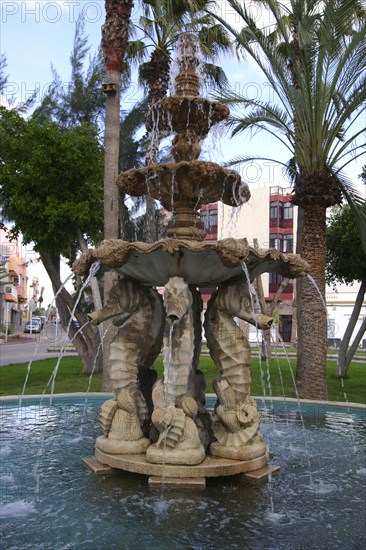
column 36, row 347
column 93, row 270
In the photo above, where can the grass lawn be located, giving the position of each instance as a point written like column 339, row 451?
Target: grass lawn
column 71, row 379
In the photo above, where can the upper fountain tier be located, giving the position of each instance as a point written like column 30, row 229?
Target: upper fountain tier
column 184, row 185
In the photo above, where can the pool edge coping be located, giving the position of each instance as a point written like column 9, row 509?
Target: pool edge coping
column 107, row 395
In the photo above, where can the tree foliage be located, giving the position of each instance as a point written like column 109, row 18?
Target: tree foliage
column 313, row 56
column 80, row 100
column 51, row 182
column 3, row 76
column 346, row 260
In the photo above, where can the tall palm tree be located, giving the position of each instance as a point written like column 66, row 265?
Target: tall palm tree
column 315, row 61
column 115, row 33
column 162, row 22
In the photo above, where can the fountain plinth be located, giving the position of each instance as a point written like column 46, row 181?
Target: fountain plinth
column 161, row 428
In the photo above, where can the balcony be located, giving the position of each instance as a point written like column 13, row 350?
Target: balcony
column 282, row 191
column 10, row 293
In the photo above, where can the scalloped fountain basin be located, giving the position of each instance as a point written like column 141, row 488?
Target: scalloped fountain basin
column 197, row 180
column 70, row 508
column 201, row 264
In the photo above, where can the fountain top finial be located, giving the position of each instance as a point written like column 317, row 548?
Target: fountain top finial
column 187, row 82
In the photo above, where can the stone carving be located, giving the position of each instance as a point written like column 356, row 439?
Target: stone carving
column 235, row 422
column 179, row 441
column 175, row 407
column 138, row 312
column 155, row 263
column 178, row 343
column 120, row 422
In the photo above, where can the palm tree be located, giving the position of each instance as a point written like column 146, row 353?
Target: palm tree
column 115, row 35
column 162, row 22
column 315, row 62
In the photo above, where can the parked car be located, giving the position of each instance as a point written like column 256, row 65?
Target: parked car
column 33, row 326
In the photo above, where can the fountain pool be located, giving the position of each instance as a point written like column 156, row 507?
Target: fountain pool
column 51, row 501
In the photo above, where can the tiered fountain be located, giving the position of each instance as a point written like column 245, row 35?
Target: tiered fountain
column 162, row 428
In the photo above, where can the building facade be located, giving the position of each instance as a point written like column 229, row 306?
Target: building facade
column 13, row 283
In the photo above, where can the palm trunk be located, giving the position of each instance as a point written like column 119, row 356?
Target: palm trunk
column 344, row 355
column 311, row 311
column 114, row 44
column 111, row 201
column 353, row 348
column 158, row 84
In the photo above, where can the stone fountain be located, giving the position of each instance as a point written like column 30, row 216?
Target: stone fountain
column 161, row 428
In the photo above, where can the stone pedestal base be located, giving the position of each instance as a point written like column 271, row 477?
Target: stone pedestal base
column 177, row 483
column 215, row 468
column 212, row 466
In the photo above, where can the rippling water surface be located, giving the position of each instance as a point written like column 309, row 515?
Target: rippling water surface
column 49, row 500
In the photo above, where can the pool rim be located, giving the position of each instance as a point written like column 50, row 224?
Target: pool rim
column 109, row 395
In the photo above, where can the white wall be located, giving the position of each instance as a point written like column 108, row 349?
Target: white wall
column 339, row 309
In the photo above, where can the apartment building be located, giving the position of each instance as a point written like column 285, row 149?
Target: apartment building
column 13, row 282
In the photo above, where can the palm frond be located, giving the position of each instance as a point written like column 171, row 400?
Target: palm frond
column 214, row 76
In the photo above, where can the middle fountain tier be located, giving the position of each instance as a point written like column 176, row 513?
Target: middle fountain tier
column 161, row 428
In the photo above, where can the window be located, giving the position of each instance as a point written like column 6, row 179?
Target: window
column 273, row 210
column 283, row 243
column 209, row 218
column 287, row 243
column 287, row 211
column 331, row 328
column 275, row 241
column 275, row 279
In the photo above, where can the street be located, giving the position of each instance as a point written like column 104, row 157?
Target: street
column 33, row 346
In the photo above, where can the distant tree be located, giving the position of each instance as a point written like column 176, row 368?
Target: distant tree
column 346, row 263
column 3, row 76
column 81, row 99
column 51, row 189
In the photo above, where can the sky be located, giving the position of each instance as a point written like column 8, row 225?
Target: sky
column 36, row 34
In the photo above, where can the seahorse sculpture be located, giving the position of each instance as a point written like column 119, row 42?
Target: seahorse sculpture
column 137, row 311
column 175, row 406
column 235, row 421
column 178, row 342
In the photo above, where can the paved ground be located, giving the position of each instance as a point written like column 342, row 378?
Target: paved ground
column 28, row 347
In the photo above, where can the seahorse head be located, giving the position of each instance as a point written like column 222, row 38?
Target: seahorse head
column 125, row 297
column 234, row 299
column 177, row 299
